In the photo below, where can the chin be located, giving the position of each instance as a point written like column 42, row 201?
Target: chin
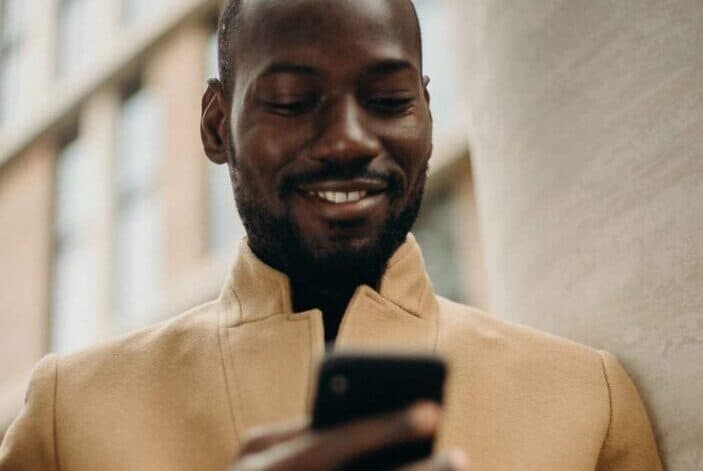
column 341, row 247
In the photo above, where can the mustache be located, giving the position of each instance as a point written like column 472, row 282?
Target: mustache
column 291, row 182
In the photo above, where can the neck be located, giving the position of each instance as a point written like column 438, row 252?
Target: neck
column 328, row 289
column 332, row 302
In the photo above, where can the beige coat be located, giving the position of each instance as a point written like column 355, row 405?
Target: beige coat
column 180, row 396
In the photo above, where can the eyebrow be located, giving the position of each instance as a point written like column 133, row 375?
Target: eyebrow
column 289, row 68
column 390, row 66
column 384, row 67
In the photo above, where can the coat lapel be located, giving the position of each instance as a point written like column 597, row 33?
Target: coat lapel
column 271, row 354
column 401, row 316
column 373, row 323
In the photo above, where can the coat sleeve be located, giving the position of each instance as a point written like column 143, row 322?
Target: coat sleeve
column 629, row 443
column 30, row 441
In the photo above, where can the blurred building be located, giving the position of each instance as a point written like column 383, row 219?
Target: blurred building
column 111, row 218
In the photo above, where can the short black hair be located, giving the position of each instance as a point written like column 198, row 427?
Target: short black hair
column 225, row 33
column 229, row 24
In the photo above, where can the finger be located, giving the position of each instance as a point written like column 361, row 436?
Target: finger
column 261, row 438
column 452, row 461
column 333, row 448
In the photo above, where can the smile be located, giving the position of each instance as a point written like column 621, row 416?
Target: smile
column 344, row 200
column 339, row 197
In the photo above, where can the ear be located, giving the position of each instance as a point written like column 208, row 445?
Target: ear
column 426, row 92
column 425, row 89
column 213, row 124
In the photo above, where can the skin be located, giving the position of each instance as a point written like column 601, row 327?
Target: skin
column 294, row 447
column 328, row 97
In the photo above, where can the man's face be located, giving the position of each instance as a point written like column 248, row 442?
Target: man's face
column 330, row 131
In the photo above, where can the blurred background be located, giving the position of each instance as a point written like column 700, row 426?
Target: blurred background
column 566, row 188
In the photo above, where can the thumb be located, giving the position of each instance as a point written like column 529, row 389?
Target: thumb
column 262, row 438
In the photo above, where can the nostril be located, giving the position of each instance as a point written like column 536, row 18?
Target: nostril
column 345, row 135
column 346, row 148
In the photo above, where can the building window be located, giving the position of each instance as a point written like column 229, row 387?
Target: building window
column 438, row 60
column 135, row 10
column 71, row 44
column 224, row 228
column 138, row 237
column 12, row 31
column 211, row 67
column 436, row 232
column 75, row 297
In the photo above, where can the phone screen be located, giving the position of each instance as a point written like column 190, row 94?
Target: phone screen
column 356, row 386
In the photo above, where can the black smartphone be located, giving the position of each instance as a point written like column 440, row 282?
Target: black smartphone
column 356, row 386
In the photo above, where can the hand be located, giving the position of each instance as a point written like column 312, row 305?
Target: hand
column 297, row 447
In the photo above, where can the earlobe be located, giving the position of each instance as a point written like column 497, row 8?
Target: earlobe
column 213, row 123
column 425, row 85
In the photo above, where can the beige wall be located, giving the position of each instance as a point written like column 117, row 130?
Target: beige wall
column 176, row 75
column 26, row 189
column 173, row 69
column 586, row 131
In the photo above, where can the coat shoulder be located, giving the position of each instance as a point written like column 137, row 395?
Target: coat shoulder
column 463, row 327
column 151, row 351
column 521, row 376
column 162, row 381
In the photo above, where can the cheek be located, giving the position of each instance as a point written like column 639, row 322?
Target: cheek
column 261, row 152
column 409, row 144
column 269, row 142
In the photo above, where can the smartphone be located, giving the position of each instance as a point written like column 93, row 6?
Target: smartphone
column 357, row 386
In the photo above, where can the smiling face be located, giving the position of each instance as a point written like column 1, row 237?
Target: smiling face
column 329, row 133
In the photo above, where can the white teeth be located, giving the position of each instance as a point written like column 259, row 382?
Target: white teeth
column 339, row 197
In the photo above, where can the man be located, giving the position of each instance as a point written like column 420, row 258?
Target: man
column 323, row 117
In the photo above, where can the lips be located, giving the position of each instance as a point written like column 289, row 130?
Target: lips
column 367, row 185
column 339, row 197
column 344, row 199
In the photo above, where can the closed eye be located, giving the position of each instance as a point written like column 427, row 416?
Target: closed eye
column 291, row 107
column 391, row 105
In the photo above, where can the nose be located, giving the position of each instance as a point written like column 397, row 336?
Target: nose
column 344, row 135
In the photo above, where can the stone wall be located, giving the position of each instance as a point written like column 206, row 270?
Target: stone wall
column 587, row 141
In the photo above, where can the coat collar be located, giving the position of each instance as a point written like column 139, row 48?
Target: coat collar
column 255, row 291
column 271, row 354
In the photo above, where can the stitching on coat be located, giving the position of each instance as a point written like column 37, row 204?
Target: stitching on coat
column 223, row 330
column 436, row 331
column 308, row 399
column 241, row 309
column 601, row 353
column 423, row 295
column 53, row 406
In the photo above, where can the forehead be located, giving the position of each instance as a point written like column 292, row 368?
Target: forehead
column 342, row 30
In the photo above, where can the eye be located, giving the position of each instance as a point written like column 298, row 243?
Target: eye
column 291, row 107
column 390, row 105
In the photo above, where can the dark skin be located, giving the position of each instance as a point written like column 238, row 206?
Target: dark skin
column 327, row 132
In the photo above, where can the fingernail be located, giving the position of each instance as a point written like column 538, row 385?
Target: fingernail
column 425, row 417
column 458, row 460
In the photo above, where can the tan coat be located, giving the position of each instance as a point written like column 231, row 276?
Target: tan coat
column 182, row 394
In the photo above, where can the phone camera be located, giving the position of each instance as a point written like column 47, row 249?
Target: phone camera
column 339, row 384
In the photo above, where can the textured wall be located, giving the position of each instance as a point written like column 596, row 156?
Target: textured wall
column 587, row 138
column 183, row 181
column 26, row 194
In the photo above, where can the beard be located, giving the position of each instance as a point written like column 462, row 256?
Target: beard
column 279, row 242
